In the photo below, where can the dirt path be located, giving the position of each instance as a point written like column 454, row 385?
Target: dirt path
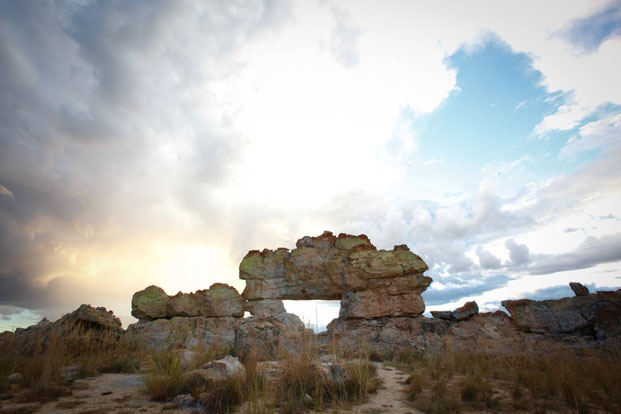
column 390, row 398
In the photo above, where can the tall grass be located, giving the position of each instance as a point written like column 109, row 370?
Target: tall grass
column 558, row 378
column 40, row 358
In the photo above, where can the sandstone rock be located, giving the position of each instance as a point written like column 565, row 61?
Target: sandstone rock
column 370, row 304
column 326, row 267
column 465, row 312
column 265, row 307
column 218, row 301
column 150, row 303
column 385, row 336
column 180, row 332
column 97, row 326
column 224, row 368
column 446, row 315
column 579, row 289
column 267, row 337
column 596, row 315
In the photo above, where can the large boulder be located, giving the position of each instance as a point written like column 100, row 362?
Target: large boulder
column 150, row 303
column 596, row 315
column 269, row 337
column 224, row 368
column 220, row 300
column 265, row 307
column 183, row 332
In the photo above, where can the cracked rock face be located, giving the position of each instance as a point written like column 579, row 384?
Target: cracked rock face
column 371, row 283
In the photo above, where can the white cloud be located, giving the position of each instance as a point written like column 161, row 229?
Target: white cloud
column 598, row 134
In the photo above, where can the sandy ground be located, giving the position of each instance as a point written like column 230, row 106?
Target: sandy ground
column 108, row 393
column 390, row 398
column 125, row 394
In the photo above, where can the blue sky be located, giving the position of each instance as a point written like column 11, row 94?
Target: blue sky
column 156, row 143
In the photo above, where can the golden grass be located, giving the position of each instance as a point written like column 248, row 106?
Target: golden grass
column 560, row 378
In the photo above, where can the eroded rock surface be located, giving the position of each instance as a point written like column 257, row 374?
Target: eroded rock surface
column 265, row 307
column 596, row 314
column 372, row 283
column 98, row 326
column 468, row 310
column 220, row 300
column 268, row 337
column 183, row 332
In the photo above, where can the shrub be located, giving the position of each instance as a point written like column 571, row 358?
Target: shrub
column 222, row 396
column 165, row 380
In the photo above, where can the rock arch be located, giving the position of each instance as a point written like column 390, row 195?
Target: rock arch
column 370, row 283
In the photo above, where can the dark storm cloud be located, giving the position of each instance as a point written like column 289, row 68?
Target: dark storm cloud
column 590, row 32
column 478, row 285
column 92, row 96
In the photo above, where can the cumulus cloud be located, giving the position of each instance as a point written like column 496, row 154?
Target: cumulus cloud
column 487, row 260
column 519, row 253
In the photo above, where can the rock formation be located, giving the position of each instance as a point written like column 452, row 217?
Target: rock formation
column 597, row 315
column 220, row 300
column 98, row 326
column 462, row 313
column 212, row 317
column 371, row 283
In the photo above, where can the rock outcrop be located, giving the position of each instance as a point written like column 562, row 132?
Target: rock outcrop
column 97, row 326
column 265, row 307
column 579, row 289
column 371, row 283
column 597, row 315
column 220, row 300
column 468, row 310
column 267, row 337
column 183, row 332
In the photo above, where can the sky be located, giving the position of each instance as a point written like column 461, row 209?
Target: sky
column 156, row 142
